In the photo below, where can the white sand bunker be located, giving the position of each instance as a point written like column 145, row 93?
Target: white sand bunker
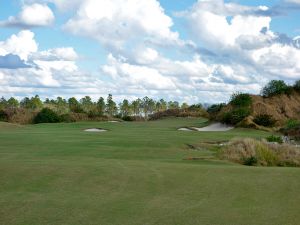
column 185, row 129
column 95, row 130
column 215, row 127
column 113, row 121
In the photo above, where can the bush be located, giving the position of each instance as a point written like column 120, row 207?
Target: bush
column 251, row 161
column 276, row 87
column 240, row 99
column 215, row 108
column 297, row 86
column 253, row 152
column 273, row 138
column 235, row 116
column 47, row 116
column 264, row 120
column 3, row 116
column 291, row 124
column 67, row 118
column 128, row 118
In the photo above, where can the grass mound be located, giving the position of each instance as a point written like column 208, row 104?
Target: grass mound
column 252, row 152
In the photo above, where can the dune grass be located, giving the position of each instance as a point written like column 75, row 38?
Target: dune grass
column 135, row 174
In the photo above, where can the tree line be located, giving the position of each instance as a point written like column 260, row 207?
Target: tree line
column 141, row 107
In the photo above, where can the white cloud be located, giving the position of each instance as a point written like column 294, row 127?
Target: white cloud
column 242, row 52
column 22, row 44
column 142, row 77
column 245, row 39
column 65, row 53
column 116, row 22
column 293, row 1
column 214, row 27
column 34, row 15
column 53, row 72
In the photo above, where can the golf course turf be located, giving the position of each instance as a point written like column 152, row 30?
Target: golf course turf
column 136, row 173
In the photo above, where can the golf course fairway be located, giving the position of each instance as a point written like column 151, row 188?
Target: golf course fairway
column 136, row 173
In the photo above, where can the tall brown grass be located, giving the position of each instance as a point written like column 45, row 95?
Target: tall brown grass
column 253, row 152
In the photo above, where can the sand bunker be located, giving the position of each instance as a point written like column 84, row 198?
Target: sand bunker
column 95, row 130
column 215, row 127
column 185, row 129
column 113, row 121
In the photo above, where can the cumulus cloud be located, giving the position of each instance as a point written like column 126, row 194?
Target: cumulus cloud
column 35, row 15
column 25, row 70
column 65, row 53
column 116, row 22
column 22, row 44
column 229, row 47
column 246, row 40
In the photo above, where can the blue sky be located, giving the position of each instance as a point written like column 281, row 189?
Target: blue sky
column 193, row 51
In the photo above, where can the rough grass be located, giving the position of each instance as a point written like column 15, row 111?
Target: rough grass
column 253, row 152
column 56, row 174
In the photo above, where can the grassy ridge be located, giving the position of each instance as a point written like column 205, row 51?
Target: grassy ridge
column 134, row 174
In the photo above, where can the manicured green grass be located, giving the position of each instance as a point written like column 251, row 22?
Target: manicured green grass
column 135, row 174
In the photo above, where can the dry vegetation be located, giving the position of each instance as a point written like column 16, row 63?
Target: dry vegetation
column 253, row 152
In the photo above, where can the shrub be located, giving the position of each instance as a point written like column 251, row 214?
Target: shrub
column 128, row 118
column 235, row 116
column 251, row 161
column 241, row 99
column 215, row 108
column 47, row 116
column 291, row 124
column 3, row 116
column 264, row 154
column 273, row 138
column 253, row 152
column 264, row 120
column 276, row 87
column 67, row 118
column 297, row 86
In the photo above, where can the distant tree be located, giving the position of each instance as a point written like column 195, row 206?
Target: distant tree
column 36, row 102
column 196, row 107
column 297, row 86
column 3, row 103
column 158, row 106
column 101, row 107
column 173, row 105
column 12, row 103
column 61, row 105
column 74, row 105
column 25, row 103
column 87, row 104
column 125, row 108
column 184, row 106
column 33, row 103
column 47, row 101
column 148, row 106
column 163, row 105
column 136, row 106
column 275, row 87
column 111, row 106
column 215, row 108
